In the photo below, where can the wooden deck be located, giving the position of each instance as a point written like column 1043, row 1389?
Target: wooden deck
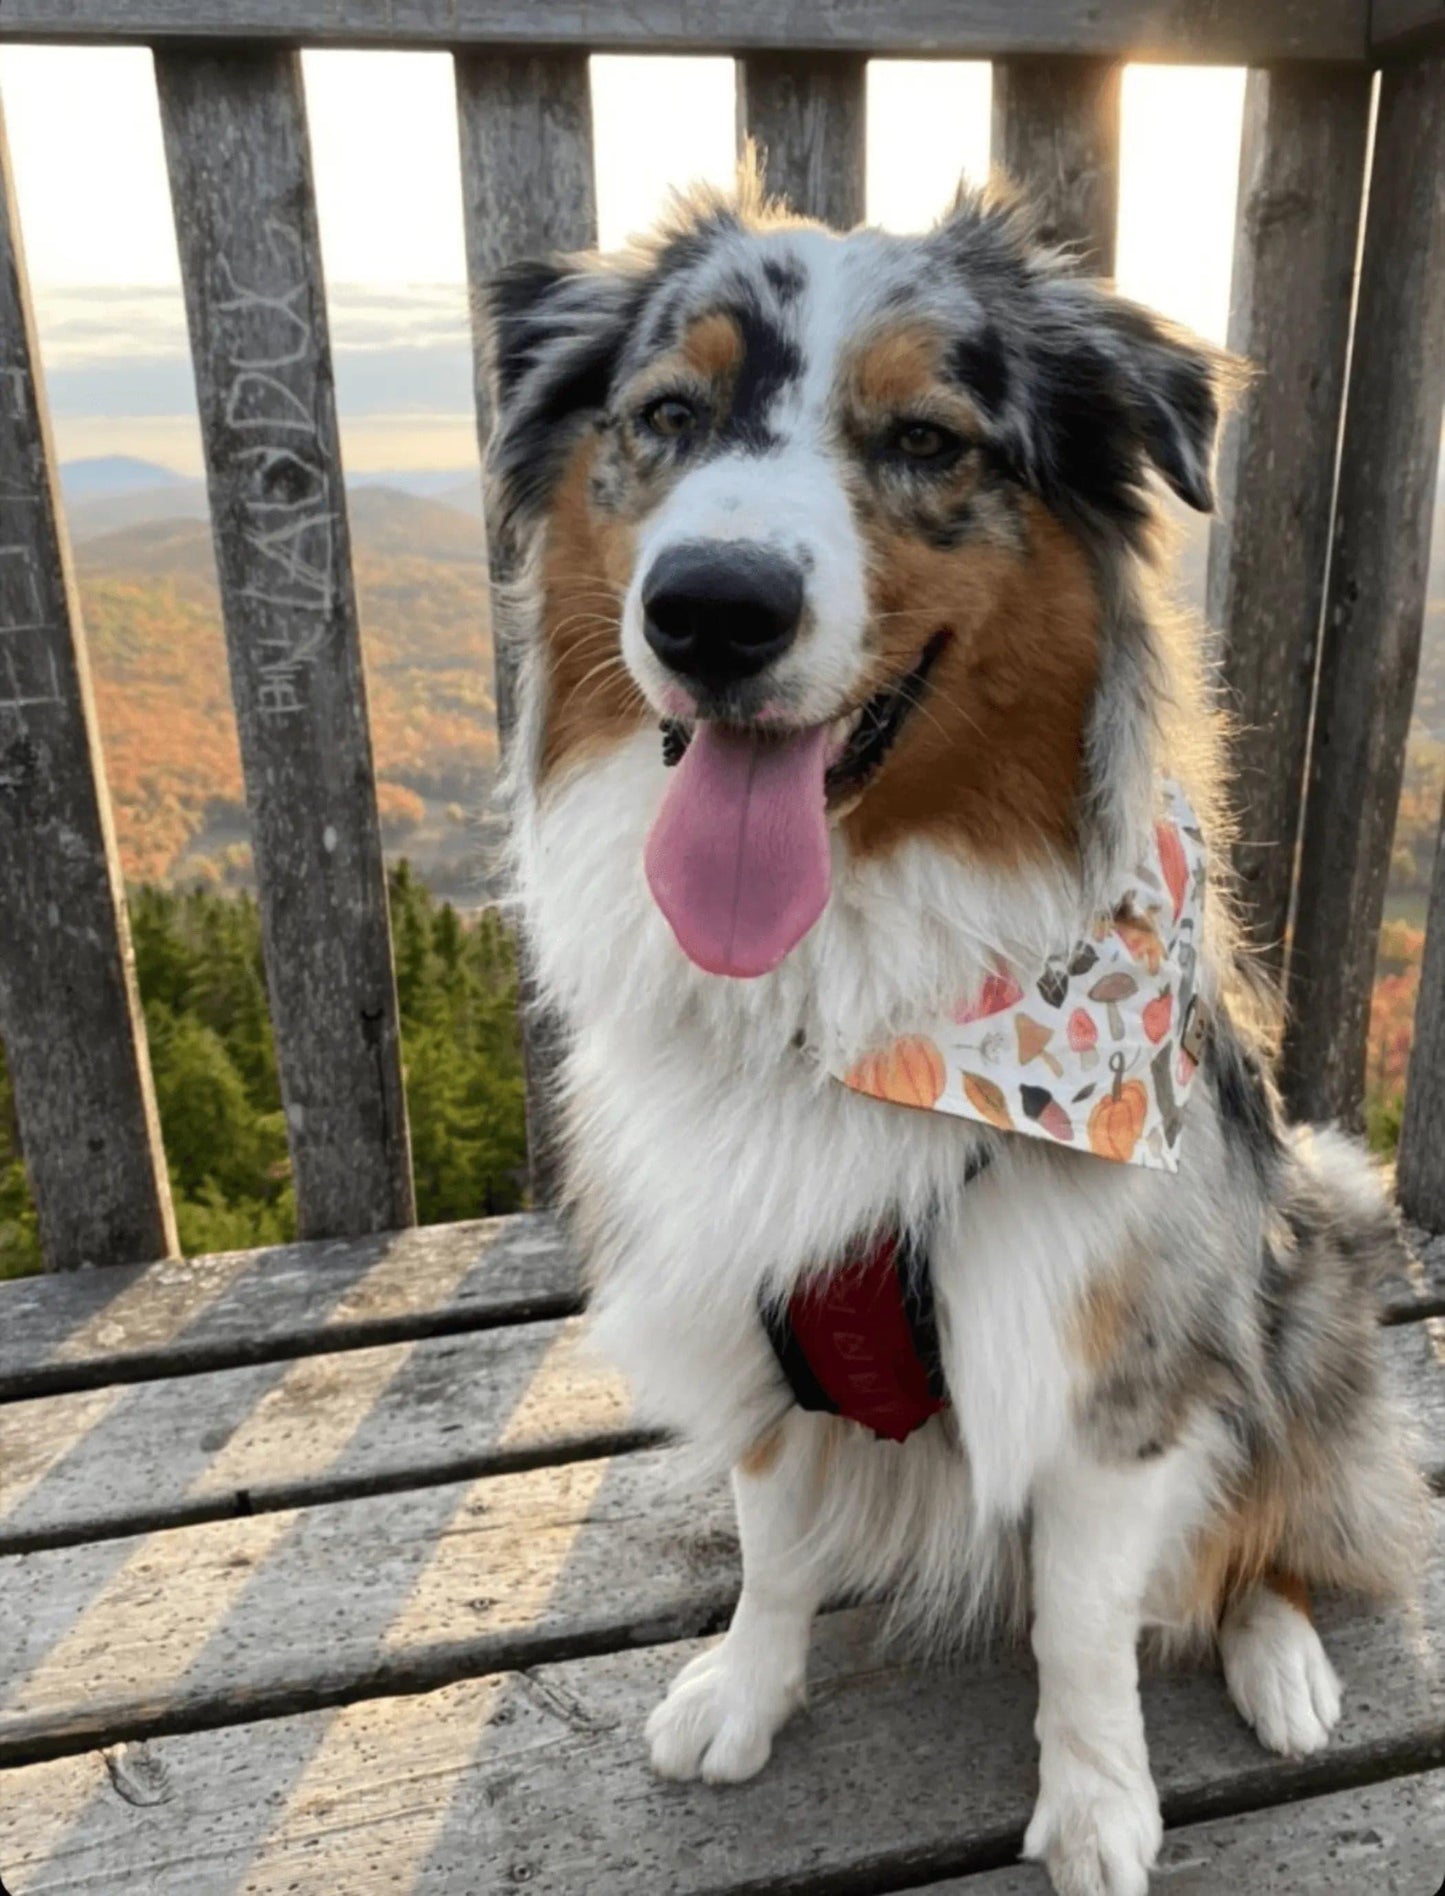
column 340, row 1568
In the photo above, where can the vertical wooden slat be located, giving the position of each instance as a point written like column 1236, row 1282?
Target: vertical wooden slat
column 525, row 127
column 1421, row 1173
column 1301, row 175
column 1376, row 597
column 69, row 1015
column 807, row 113
column 240, row 168
column 1056, row 132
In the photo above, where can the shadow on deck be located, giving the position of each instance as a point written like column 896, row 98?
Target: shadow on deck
column 341, row 1568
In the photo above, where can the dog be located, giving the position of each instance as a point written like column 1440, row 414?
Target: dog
column 851, row 740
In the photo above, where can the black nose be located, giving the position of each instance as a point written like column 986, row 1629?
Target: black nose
column 720, row 612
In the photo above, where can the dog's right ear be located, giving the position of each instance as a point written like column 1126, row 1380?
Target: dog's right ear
column 554, row 332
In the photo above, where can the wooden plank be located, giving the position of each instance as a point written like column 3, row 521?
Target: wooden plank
column 1376, row 600
column 807, row 115
column 528, row 188
column 540, row 1777
column 1056, row 132
column 1403, row 27
column 1232, row 31
column 240, row 169
column 82, row 1331
column 1418, row 1289
column 1420, row 1175
column 237, row 1441
column 122, row 1456
column 277, row 1614
column 1301, row 178
column 458, row 1577
column 1387, row 1838
column 70, row 1017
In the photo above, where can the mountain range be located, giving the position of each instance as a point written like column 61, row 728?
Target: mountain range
column 152, row 612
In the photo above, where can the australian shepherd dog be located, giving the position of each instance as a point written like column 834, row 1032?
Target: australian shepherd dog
column 845, row 701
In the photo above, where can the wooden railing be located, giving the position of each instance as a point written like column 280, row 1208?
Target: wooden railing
column 1316, row 572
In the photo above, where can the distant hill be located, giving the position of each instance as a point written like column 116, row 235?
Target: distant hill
column 153, row 616
column 118, row 491
column 176, row 499
column 107, row 474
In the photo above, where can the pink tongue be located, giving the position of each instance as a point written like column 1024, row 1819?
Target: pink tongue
column 737, row 859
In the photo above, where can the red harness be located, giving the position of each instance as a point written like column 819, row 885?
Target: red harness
column 861, row 1341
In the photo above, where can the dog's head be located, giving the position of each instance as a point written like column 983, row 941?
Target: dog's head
column 842, row 511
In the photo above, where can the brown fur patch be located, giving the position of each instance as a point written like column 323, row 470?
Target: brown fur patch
column 713, row 346
column 992, row 757
column 898, row 369
column 762, row 1457
column 1290, row 1587
column 1099, row 1323
column 592, row 703
column 1237, row 1550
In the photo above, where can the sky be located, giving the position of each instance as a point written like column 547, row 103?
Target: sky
column 95, row 215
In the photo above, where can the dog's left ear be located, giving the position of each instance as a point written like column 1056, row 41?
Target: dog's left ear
column 1116, row 387
column 1172, row 383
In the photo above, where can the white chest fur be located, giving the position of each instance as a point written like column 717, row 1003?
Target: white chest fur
column 717, row 1162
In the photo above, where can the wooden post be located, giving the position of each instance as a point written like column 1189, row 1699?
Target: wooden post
column 1056, row 132
column 240, row 167
column 70, row 1018
column 1376, row 598
column 1421, row 1172
column 525, row 126
column 1301, row 176
column 807, row 114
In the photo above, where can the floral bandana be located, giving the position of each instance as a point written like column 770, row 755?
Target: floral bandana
column 1096, row 1050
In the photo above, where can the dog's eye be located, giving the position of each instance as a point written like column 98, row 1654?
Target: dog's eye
column 924, row 441
column 671, row 417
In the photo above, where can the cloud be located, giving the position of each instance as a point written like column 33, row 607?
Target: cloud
column 111, row 353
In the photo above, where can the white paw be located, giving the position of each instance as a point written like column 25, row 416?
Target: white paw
column 719, row 1716
column 1096, row 1826
column 1278, row 1674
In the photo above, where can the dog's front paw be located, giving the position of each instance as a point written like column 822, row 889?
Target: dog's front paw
column 719, row 1716
column 1278, row 1674
column 1096, row 1826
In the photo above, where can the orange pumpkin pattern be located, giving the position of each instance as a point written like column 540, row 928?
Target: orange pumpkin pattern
column 1024, row 1050
column 1117, row 1123
column 910, row 1072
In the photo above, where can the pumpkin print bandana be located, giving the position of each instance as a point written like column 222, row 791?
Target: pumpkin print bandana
column 1098, row 1048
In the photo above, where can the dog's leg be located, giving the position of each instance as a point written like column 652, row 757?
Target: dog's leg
column 1276, row 1669
column 718, row 1719
column 1096, row 1536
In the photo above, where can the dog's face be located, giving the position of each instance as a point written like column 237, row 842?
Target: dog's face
column 834, row 508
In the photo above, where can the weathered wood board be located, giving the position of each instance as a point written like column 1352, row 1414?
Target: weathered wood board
column 1056, row 132
column 284, row 1611
column 1400, row 27
column 140, row 1456
column 524, row 127
column 250, row 248
column 1301, row 181
column 1379, row 567
column 1385, row 1839
column 232, row 1441
column 1236, row 31
column 807, row 115
column 1421, row 1169
column 69, row 1011
column 500, row 1570
column 94, row 1327
column 893, row 1774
